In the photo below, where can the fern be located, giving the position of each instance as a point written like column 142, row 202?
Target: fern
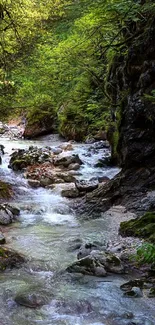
column 146, row 253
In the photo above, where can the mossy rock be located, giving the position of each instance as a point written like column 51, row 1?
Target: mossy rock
column 5, row 190
column 9, row 259
column 19, row 164
column 143, row 227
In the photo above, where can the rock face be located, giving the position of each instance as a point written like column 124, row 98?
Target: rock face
column 131, row 81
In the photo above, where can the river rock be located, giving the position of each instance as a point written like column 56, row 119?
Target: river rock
column 151, row 293
column 74, row 307
column 65, row 161
column 104, row 163
column 97, row 263
column 33, row 183
column 87, row 266
column 74, row 244
column 103, row 179
column 100, row 145
column 67, row 146
column 70, row 192
column 2, row 238
column 46, row 181
column 127, row 286
column 66, row 177
column 30, row 299
column 134, row 292
column 7, row 214
column 10, row 259
column 86, row 186
column 86, row 249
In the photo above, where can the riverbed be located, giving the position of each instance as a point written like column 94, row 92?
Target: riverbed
column 44, row 232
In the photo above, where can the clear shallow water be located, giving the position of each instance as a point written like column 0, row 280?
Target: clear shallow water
column 44, row 233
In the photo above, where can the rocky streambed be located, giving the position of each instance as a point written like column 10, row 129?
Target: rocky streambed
column 72, row 269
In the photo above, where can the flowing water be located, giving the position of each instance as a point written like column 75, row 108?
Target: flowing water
column 44, row 233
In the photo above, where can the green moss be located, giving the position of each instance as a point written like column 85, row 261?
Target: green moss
column 143, row 227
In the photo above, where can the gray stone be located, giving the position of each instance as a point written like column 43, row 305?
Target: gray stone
column 8, row 213
column 70, row 193
column 5, row 217
column 65, row 161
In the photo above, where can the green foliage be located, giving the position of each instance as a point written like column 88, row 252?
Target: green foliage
column 59, row 53
column 146, row 253
column 151, row 97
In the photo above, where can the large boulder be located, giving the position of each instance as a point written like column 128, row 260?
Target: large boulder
column 97, row 263
column 39, row 125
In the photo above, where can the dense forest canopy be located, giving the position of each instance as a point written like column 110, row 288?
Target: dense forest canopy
column 56, row 56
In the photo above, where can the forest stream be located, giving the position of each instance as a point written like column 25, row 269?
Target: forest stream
column 44, row 233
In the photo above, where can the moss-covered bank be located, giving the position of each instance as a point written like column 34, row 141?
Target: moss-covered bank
column 143, row 227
